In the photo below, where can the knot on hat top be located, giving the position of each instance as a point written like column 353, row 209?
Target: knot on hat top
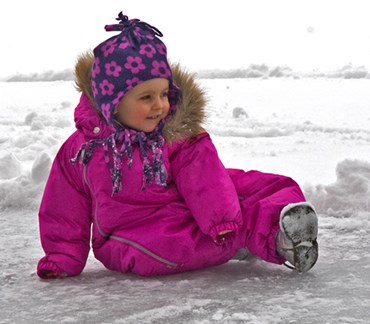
column 134, row 28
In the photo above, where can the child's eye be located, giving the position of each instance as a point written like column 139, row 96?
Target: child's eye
column 147, row 97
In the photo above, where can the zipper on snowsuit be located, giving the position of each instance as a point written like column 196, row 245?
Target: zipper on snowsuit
column 121, row 239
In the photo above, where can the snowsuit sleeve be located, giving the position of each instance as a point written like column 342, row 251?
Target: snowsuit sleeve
column 206, row 186
column 64, row 218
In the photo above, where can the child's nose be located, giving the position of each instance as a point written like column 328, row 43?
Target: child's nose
column 158, row 103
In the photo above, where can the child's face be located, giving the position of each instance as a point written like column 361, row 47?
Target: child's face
column 144, row 106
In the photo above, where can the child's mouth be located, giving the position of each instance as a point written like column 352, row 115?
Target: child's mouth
column 154, row 117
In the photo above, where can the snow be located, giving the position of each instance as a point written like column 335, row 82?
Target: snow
column 252, row 71
column 315, row 130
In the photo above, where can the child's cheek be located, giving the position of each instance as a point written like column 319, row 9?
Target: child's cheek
column 141, row 114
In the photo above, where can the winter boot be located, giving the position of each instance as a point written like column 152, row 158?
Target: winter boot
column 296, row 239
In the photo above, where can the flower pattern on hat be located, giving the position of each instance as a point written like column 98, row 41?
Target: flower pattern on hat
column 132, row 83
column 112, row 68
column 118, row 98
column 124, row 43
column 148, row 50
column 160, row 69
column 108, row 47
column 94, row 89
column 96, row 67
column 162, row 49
column 134, row 64
column 106, row 88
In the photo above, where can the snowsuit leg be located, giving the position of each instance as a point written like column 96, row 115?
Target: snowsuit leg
column 262, row 197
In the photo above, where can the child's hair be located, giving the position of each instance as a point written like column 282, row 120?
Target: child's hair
column 127, row 59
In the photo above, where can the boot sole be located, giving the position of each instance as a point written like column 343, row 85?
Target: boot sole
column 300, row 225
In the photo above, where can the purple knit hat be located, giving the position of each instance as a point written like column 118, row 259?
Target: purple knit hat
column 125, row 60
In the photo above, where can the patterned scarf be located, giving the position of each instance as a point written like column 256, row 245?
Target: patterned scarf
column 119, row 145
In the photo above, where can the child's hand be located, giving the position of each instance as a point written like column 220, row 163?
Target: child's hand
column 224, row 236
column 48, row 274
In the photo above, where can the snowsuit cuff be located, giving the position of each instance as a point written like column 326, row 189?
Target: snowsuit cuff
column 223, row 238
column 44, row 267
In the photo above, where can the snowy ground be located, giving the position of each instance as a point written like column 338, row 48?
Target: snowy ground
column 315, row 130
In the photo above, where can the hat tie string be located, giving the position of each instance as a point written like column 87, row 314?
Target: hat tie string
column 124, row 23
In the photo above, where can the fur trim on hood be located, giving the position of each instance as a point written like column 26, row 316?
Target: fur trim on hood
column 188, row 119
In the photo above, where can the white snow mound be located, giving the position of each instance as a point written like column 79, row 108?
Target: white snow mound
column 349, row 195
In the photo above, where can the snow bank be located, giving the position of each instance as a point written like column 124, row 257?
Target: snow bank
column 263, row 71
column 253, row 71
column 347, row 198
column 245, row 124
column 346, row 72
column 21, row 186
column 50, row 75
column 32, row 128
column 349, row 195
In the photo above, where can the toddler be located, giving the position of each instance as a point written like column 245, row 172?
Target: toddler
column 140, row 179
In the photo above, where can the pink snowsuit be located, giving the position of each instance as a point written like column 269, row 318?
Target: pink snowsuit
column 159, row 230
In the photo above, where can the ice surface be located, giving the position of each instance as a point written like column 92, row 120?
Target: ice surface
column 317, row 131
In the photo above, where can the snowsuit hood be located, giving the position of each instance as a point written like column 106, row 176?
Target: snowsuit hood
column 184, row 124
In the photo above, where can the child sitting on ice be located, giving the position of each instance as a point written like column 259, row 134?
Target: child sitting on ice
column 142, row 171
